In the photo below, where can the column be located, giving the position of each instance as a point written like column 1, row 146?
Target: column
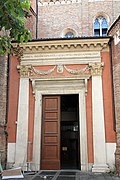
column 98, row 119
column 37, row 132
column 22, row 119
column 83, row 132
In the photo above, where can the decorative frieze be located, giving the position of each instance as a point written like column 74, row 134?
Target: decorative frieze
column 24, row 70
column 43, row 72
column 78, row 71
column 60, row 69
column 96, row 68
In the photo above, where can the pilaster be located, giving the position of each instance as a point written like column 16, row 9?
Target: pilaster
column 100, row 164
column 22, row 119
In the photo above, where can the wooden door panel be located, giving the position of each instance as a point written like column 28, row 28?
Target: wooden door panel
column 50, row 139
column 51, row 104
column 51, row 127
column 51, row 115
column 50, row 157
column 50, row 152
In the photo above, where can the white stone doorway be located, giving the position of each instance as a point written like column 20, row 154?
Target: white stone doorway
column 60, row 87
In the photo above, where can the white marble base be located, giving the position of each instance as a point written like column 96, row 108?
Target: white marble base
column 11, row 153
column 110, row 151
column 90, row 165
column 100, row 168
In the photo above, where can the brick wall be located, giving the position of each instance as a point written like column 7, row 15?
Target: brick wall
column 31, row 25
column 56, row 16
column 115, row 32
column 31, row 21
column 116, row 81
column 3, row 93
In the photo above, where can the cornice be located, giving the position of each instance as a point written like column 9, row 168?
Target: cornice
column 64, row 45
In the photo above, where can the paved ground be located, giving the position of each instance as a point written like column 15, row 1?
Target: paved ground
column 68, row 175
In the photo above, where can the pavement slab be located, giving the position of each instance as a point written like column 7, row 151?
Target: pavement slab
column 67, row 175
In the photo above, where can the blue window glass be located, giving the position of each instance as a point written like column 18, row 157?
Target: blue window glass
column 69, row 35
column 104, row 24
column 100, row 26
column 96, row 24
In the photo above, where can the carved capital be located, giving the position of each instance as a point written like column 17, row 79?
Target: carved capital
column 96, row 68
column 24, row 70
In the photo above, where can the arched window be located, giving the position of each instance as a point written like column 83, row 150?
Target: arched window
column 100, row 26
column 69, row 35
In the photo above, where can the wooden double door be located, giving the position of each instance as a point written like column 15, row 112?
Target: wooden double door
column 51, row 134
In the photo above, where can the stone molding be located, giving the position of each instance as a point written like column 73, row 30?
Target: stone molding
column 73, row 45
column 39, row 59
column 96, row 68
column 63, row 51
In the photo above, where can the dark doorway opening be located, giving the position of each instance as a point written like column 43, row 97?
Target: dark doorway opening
column 70, row 145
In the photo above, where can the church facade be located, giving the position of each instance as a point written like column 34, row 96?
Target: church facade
column 60, row 104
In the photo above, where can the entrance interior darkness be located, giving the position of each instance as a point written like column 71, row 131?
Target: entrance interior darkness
column 70, row 132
